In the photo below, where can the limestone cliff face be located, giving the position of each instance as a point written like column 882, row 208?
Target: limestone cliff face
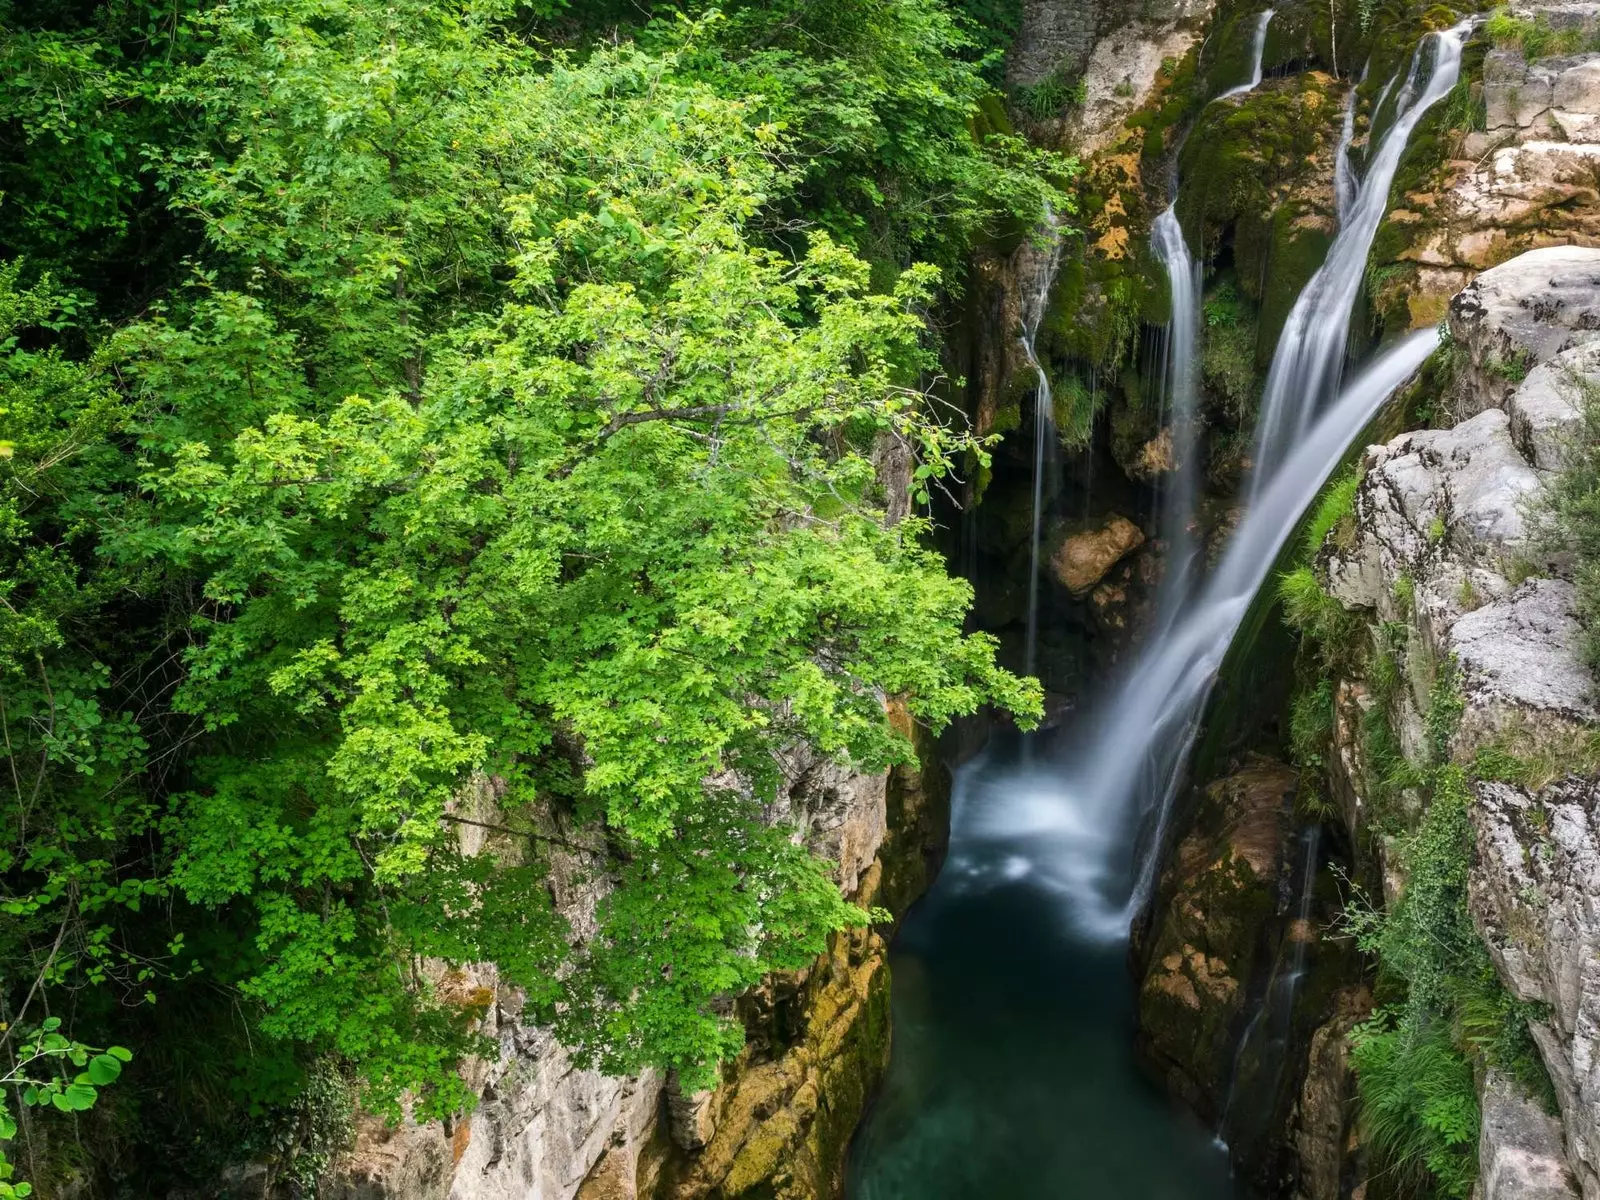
column 1526, row 179
column 1439, row 541
column 777, row 1126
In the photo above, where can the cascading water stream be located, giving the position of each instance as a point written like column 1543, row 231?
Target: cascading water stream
column 1306, row 366
column 1182, row 394
column 1035, row 299
column 1182, row 378
column 1344, row 175
column 1258, row 48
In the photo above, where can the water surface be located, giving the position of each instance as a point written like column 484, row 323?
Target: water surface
column 1013, row 1073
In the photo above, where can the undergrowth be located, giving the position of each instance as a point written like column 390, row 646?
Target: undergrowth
column 1443, row 1015
column 1536, row 37
column 1567, row 513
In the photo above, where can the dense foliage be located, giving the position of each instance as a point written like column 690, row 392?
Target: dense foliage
column 436, row 436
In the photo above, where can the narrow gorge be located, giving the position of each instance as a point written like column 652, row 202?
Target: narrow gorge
column 891, row 600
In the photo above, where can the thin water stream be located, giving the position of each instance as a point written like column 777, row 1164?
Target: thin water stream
column 1013, row 1072
column 1310, row 353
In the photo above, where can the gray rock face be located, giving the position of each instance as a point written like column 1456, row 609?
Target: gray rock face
column 1519, row 1151
column 1440, row 520
column 1443, row 509
column 1536, row 901
column 1553, row 98
column 1520, row 314
column 1546, row 410
column 546, row 1129
column 1522, row 670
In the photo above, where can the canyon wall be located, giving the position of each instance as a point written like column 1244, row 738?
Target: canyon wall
column 777, row 1125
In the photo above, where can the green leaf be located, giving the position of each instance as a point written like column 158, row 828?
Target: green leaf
column 104, row 1069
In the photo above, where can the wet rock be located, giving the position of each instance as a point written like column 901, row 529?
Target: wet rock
column 1326, row 1099
column 1217, row 896
column 1082, row 560
column 1520, row 1152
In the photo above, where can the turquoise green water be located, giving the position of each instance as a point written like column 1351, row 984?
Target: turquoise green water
column 1013, row 1075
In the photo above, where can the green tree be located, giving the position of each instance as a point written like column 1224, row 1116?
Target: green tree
column 500, row 460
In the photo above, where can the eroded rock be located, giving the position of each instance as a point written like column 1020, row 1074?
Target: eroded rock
column 1518, row 315
column 1535, row 897
column 1520, row 1153
column 1083, row 559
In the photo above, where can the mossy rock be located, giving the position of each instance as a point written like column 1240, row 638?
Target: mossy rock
column 1206, row 945
column 1242, row 156
column 1299, row 244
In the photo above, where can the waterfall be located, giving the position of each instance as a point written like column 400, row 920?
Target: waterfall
column 1088, row 821
column 1305, row 368
column 1034, row 302
column 1088, row 825
column 1258, row 47
column 1344, row 176
column 1180, row 403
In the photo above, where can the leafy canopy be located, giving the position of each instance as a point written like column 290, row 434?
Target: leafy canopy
column 494, row 487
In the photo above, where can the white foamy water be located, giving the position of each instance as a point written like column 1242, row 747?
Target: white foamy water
column 1081, row 822
column 1310, row 353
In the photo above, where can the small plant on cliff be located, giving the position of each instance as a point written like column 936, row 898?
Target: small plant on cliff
column 1308, row 607
column 1311, row 720
column 1567, row 513
column 1536, row 37
column 1051, row 96
column 1405, row 594
column 1335, row 515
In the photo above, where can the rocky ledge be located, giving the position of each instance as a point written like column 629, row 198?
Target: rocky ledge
column 777, row 1125
column 1440, row 557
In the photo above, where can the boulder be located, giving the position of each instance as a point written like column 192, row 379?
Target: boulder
column 1436, row 507
column 1082, row 560
column 1520, row 314
column 1522, row 672
column 1520, row 1155
column 1546, row 411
